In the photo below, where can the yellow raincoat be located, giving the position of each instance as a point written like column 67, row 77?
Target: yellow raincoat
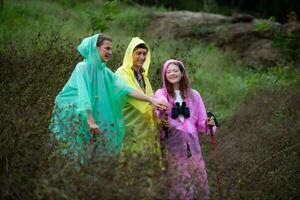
column 140, row 120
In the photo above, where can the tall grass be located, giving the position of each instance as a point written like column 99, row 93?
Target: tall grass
column 260, row 145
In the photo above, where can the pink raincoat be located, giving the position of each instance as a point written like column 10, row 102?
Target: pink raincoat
column 186, row 167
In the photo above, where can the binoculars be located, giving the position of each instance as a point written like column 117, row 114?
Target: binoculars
column 180, row 110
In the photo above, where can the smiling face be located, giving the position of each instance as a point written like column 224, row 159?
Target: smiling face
column 105, row 50
column 139, row 57
column 174, row 75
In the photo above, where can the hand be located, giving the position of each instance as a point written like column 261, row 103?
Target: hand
column 159, row 104
column 165, row 122
column 94, row 129
column 210, row 122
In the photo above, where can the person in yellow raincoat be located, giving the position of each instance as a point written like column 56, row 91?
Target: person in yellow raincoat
column 140, row 120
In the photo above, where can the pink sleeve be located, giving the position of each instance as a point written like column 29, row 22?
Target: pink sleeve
column 201, row 120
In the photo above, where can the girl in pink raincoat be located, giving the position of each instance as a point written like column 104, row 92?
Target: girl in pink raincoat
column 186, row 119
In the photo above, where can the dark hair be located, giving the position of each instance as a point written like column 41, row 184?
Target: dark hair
column 184, row 84
column 140, row 46
column 101, row 39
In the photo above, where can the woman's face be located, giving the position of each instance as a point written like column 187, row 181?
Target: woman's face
column 139, row 57
column 105, row 50
column 173, row 74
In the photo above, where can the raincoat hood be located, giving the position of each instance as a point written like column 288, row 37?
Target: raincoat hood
column 128, row 62
column 164, row 71
column 88, row 49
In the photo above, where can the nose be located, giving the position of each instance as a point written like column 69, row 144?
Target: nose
column 143, row 57
column 170, row 74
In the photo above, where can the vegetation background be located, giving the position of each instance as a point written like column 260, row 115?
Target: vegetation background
column 258, row 141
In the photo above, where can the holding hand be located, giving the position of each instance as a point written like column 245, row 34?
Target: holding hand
column 156, row 103
column 164, row 121
column 210, row 121
column 94, row 128
column 159, row 104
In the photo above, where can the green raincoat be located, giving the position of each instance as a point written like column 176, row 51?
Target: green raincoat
column 95, row 88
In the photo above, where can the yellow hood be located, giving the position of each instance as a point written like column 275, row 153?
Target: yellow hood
column 127, row 74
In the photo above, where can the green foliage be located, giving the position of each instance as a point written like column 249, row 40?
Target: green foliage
column 289, row 45
column 24, row 21
column 100, row 22
column 97, row 24
column 68, row 3
column 265, row 25
column 136, row 17
column 276, row 76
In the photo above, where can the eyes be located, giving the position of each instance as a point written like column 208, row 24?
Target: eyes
column 144, row 54
column 108, row 48
column 141, row 52
column 174, row 70
column 105, row 48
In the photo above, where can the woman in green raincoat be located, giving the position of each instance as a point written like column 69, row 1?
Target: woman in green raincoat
column 87, row 116
column 141, row 126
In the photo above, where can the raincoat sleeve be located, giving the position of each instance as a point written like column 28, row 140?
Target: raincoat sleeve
column 121, row 88
column 83, row 81
column 201, row 113
column 142, row 106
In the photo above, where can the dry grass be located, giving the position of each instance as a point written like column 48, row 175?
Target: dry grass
column 259, row 147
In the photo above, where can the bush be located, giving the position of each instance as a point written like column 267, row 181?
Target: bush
column 32, row 168
column 259, row 146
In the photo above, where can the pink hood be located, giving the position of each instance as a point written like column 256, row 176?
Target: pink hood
column 197, row 120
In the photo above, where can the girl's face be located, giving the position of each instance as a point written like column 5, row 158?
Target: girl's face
column 139, row 57
column 173, row 74
column 105, row 50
